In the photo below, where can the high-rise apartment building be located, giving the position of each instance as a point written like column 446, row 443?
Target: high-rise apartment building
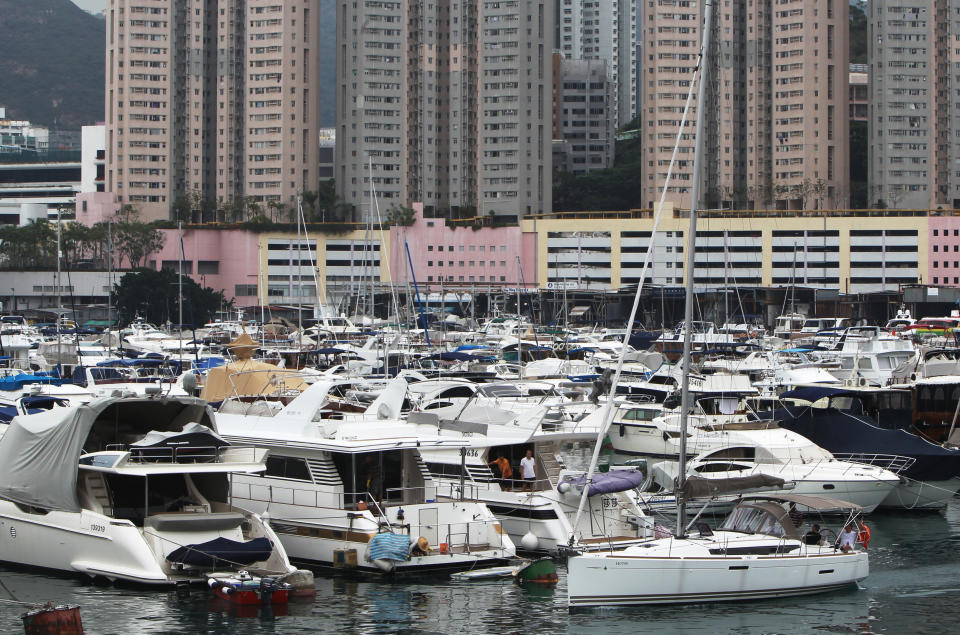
column 594, row 30
column 447, row 103
column 777, row 103
column 213, row 98
column 584, row 126
column 914, row 105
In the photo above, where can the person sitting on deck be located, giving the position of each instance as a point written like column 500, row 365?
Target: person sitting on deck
column 506, row 472
column 813, row 537
column 848, row 538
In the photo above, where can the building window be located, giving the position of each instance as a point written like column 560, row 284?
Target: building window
column 208, row 267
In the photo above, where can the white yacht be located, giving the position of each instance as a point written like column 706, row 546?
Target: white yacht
column 538, row 516
column 146, row 502
column 355, row 493
column 757, row 552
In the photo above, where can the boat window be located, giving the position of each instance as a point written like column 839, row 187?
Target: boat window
column 458, row 391
column 720, row 467
column 733, row 453
column 288, row 467
column 639, row 414
column 438, row 404
column 751, row 520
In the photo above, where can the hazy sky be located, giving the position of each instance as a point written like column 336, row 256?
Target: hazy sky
column 91, row 5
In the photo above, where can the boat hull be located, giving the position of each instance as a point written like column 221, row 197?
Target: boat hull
column 610, row 580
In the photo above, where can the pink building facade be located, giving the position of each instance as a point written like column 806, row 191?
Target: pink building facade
column 944, row 257
column 224, row 260
column 462, row 257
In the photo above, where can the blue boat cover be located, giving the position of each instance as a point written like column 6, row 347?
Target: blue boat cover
column 453, row 356
column 221, row 551
column 610, row 482
column 206, row 363
column 389, row 546
column 17, row 382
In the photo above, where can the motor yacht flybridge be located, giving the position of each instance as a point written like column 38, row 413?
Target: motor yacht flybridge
column 130, row 488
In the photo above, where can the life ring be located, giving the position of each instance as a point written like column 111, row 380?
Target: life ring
column 863, row 536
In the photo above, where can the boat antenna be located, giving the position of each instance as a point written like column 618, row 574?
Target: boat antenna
column 691, row 260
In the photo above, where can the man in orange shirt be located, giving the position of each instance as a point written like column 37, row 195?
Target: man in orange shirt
column 506, row 472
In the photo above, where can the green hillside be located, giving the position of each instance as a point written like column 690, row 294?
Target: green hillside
column 51, row 62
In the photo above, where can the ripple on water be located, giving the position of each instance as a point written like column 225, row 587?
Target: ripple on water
column 914, row 563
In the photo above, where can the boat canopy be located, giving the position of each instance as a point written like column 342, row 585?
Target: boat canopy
column 700, row 487
column 815, row 503
column 609, row 482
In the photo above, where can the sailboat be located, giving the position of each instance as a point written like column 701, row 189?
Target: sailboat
column 756, row 553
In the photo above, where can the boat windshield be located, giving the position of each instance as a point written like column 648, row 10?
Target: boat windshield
column 753, row 520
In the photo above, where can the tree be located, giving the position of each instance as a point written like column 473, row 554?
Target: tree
column 154, row 296
column 135, row 240
column 400, row 215
column 309, row 203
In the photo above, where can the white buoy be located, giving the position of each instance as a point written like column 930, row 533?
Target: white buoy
column 563, row 488
column 384, row 565
column 529, row 541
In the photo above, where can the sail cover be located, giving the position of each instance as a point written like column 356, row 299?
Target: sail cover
column 610, row 482
column 700, row 487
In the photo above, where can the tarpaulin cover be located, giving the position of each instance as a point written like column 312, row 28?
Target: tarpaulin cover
column 452, row 356
column 610, row 482
column 39, row 453
column 700, row 487
column 192, row 434
column 221, row 551
column 17, row 382
column 853, row 433
column 38, row 457
column 389, row 546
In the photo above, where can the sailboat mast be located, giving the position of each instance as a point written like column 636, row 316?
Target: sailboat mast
column 691, row 260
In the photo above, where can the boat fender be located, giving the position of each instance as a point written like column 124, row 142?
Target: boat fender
column 384, row 565
column 530, row 541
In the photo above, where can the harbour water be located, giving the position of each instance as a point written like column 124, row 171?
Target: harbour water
column 912, row 588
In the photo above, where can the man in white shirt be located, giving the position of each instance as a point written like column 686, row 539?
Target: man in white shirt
column 848, row 538
column 528, row 469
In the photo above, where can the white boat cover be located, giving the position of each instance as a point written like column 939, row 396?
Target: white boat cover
column 39, row 453
column 38, row 457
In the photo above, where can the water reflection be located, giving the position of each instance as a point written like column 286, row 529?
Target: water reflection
column 914, row 579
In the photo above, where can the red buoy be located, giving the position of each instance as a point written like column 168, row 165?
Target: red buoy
column 53, row 620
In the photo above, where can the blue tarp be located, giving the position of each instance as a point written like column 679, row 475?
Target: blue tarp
column 206, row 363
column 222, row 551
column 142, row 361
column 452, row 356
column 389, row 546
column 610, row 482
column 17, row 382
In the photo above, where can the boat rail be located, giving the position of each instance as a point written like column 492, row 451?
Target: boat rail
column 460, row 537
column 470, row 490
column 892, row 462
column 189, row 454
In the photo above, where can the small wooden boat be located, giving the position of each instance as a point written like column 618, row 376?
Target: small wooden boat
column 245, row 589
